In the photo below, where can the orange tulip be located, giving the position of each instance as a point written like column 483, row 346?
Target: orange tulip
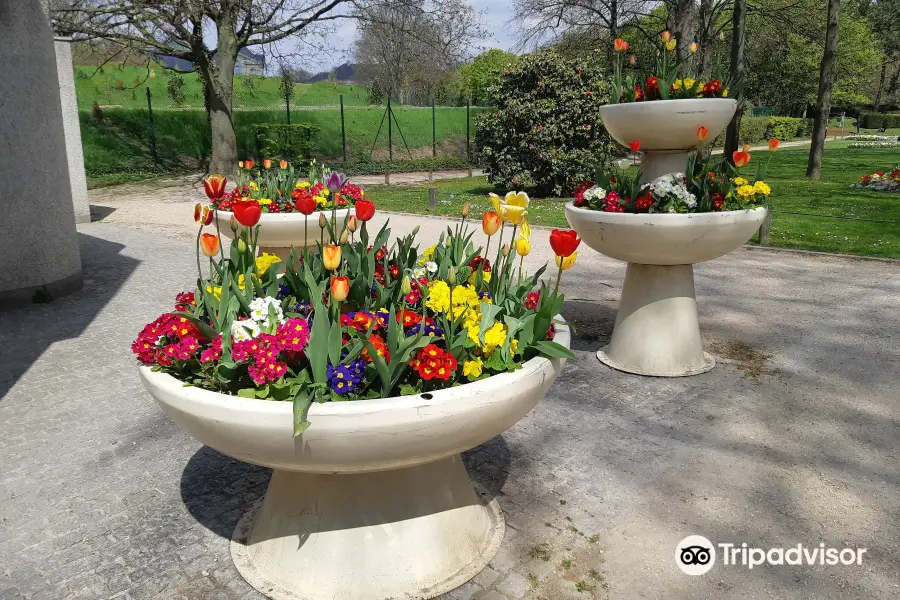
column 666, row 36
column 283, row 164
column 693, row 48
column 214, row 186
column 490, row 223
column 702, row 132
column 198, row 215
column 267, row 163
column 209, row 244
column 206, row 216
column 740, row 158
column 620, row 45
column 746, row 148
column 340, row 288
column 773, row 145
column 248, row 164
column 331, row 257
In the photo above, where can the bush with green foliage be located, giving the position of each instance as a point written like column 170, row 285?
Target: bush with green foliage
column 545, row 135
column 874, row 120
column 292, row 143
column 786, row 128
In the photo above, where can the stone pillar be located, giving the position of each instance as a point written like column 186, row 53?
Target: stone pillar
column 72, row 129
column 39, row 255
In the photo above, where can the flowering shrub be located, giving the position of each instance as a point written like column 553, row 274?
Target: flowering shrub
column 881, row 180
column 666, row 80
column 277, row 189
column 880, row 144
column 707, row 187
column 360, row 318
column 545, row 135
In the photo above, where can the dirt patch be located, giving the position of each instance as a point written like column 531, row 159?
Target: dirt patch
column 752, row 361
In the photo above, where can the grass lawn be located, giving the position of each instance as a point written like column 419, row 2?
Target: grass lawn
column 792, row 193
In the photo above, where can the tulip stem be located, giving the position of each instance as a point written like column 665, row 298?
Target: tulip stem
column 521, row 260
column 558, row 278
column 219, row 234
column 305, row 230
column 199, row 270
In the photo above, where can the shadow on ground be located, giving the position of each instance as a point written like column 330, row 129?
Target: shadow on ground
column 28, row 332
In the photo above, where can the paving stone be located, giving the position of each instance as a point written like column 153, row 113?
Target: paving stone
column 513, row 586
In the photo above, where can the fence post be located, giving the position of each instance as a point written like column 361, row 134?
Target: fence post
column 433, row 131
column 390, row 116
column 152, row 127
column 765, row 229
column 343, row 131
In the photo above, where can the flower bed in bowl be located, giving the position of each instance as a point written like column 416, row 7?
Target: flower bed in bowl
column 359, row 374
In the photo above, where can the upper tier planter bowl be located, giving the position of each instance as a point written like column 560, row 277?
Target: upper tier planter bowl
column 657, row 331
column 278, row 232
column 666, row 129
column 372, row 502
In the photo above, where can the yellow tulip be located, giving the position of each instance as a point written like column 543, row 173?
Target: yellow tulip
column 566, row 263
column 525, row 230
column 495, row 202
column 514, row 214
column 331, row 257
column 516, row 199
column 523, row 246
column 670, row 45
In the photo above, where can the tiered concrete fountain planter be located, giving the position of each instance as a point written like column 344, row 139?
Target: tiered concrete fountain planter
column 657, row 331
column 278, row 232
column 372, row 502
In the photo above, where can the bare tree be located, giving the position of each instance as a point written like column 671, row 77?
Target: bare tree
column 823, row 103
column 182, row 29
column 410, row 48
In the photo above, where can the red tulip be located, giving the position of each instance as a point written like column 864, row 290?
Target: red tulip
column 247, row 212
column 365, row 210
column 620, row 45
column 209, row 243
column 248, row 164
column 206, row 216
column 740, row 158
column 635, row 146
column 198, row 214
column 564, row 242
column 773, row 145
column 340, row 288
column 306, row 204
column 214, row 186
column 702, row 132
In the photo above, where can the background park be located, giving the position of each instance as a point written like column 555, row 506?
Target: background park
column 430, row 106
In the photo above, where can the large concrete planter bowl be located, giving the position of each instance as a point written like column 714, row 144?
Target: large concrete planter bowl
column 278, row 232
column 657, row 331
column 666, row 129
column 372, row 502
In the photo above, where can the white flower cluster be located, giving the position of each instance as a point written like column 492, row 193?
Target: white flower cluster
column 259, row 318
column 429, row 267
column 594, row 193
column 868, row 137
column 671, row 187
column 884, row 144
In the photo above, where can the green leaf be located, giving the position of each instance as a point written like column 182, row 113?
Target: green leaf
column 302, row 402
column 247, row 393
column 489, row 314
column 553, row 349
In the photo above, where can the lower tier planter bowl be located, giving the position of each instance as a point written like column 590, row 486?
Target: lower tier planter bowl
column 372, row 501
column 657, row 331
column 278, row 232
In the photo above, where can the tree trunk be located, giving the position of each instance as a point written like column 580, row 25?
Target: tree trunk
column 826, row 78
column 683, row 29
column 613, row 33
column 732, row 137
column 884, row 64
column 218, row 77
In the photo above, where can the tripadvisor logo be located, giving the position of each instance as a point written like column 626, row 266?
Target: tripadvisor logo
column 695, row 555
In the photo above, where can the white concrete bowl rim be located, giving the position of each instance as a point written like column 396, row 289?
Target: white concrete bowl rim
column 663, row 103
column 660, row 217
column 356, row 407
column 296, row 216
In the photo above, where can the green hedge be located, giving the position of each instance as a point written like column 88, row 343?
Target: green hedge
column 873, row 120
column 288, row 142
column 759, row 129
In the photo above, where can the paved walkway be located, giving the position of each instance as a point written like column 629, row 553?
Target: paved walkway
column 791, row 439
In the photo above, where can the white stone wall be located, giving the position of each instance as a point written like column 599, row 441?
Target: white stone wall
column 72, row 129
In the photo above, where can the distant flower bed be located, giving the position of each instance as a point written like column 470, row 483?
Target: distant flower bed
column 880, row 144
column 868, row 137
column 879, row 180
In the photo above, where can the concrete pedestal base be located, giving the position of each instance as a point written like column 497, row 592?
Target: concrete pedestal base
column 656, row 164
column 657, row 332
column 415, row 532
